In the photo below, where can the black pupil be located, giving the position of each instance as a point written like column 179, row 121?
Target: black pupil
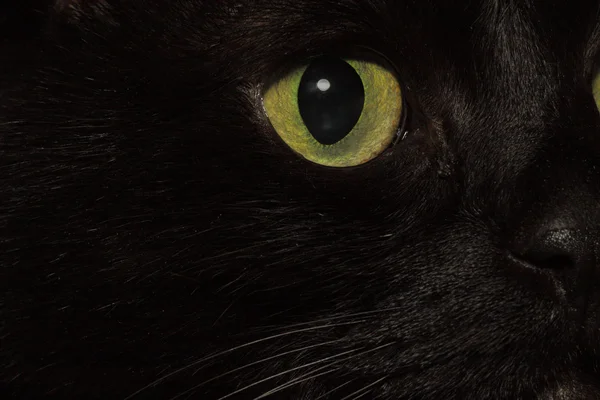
column 330, row 98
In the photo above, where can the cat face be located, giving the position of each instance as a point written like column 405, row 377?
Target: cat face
column 163, row 239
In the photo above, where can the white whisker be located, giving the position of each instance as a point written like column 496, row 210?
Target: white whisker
column 365, row 389
column 337, row 317
column 292, row 382
column 334, row 389
column 255, row 363
column 287, row 372
column 193, row 364
column 298, row 380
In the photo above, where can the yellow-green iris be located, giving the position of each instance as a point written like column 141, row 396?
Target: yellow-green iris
column 371, row 135
column 596, row 89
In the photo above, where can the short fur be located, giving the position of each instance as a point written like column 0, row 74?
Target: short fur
column 158, row 240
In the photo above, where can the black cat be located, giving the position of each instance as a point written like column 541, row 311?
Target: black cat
column 308, row 199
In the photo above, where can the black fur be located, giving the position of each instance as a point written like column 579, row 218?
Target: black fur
column 159, row 241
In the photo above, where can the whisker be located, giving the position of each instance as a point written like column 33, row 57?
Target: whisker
column 193, row 364
column 255, row 363
column 298, row 380
column 362, row 395
column 334, row 389
column 287, row 372
column 309, row 364
column 365, row 389
column 337, row 317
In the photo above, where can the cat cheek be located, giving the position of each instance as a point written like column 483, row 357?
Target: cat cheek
column 74, row 11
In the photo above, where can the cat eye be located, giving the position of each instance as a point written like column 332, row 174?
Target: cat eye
column 596, row 89
column 337, row 112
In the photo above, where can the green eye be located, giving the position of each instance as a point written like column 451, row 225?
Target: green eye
column 596, row 90
column 336, row 112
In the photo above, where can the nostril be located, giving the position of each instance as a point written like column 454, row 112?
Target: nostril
column 549, row 260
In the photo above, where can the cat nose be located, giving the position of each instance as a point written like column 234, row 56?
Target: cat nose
column 569, row 253
column 559, row 248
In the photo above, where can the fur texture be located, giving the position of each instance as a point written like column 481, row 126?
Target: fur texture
column 157, row 239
